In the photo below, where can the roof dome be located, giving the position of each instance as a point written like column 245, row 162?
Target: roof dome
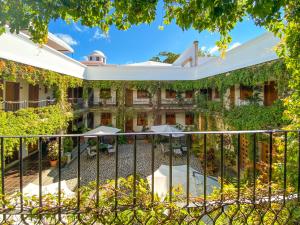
column 98, row 53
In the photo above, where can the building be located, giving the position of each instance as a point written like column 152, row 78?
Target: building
column 124, row 97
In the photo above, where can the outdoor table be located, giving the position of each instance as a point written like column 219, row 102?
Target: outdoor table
column 102, row 146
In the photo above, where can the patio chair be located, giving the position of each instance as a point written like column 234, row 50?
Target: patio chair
column 164, row 150
column 184, row 149
column 177, row 152
column 91, row 153
column 111, row 149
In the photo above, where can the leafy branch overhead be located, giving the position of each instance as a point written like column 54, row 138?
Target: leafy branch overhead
column 280, row 17
column 165, row 57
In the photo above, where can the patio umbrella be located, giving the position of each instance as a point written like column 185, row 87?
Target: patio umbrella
column 167, row 129
column 179, row 178
column 102, row 130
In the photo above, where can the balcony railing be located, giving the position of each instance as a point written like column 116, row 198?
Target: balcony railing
column 16, row 105
column 223, row 195
column 103, row 102
column 175, row 101
column 77, row 103
column 141, row 101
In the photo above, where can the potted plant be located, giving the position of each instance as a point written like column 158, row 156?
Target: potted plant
column 53, row 152
column 68, row 147
column 64, row 160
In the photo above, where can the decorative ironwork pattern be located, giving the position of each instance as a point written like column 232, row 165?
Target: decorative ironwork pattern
column 259, row 193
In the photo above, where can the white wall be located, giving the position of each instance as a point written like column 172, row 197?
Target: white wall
column 20, row 48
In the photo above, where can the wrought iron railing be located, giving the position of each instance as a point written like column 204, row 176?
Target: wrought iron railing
column 16, row 105
column 253, row 194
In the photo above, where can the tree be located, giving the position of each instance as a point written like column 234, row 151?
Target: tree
column 165, row 57
column 282, row 17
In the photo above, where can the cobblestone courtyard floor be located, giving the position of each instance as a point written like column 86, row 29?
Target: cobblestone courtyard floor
column 107, row 166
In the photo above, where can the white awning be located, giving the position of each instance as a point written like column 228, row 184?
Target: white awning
column 165, row 130
column 179, row 178
column 102, row 130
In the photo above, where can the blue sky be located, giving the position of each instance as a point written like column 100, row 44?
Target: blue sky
column 140, row 43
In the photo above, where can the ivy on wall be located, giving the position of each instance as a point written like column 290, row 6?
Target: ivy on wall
column 258, row 74
column 11, row 71
column 31, row 121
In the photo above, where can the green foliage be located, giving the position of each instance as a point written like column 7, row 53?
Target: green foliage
column 11, row 71
column 254, row 75
column 255, row 117
column 31, row 121
column 160, row 211
column 165, row 57
column 68, row 144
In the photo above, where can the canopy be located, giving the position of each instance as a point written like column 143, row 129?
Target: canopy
column 167, row 129
column 102, row 130
column 33, row 189
column 179, row 178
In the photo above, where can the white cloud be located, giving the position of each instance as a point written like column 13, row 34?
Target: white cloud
column 100, row 35
column 67, row 38
column 203, row 48
column 234, row 45
column 213, row 50
column 77, row 28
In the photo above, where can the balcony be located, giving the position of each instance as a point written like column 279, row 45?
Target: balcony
column 77, row 103
column 141, row 101
column 103, row 102
column 176, row 101
column 159, row 178
column 13, row 106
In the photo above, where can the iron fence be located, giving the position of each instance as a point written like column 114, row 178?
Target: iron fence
column 16, row 105
column 249, row 194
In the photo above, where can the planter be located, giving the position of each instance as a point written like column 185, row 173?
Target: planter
column 69, row 156
column 53, row 163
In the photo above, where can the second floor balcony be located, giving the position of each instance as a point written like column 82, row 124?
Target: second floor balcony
column 12, row 106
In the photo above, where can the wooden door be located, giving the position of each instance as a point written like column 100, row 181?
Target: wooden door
column 129, row 125
column 1, row 89
column 90, row 120
column 129, row 97
column 12, row 95
column 33, row 96
column 232, row 96
column 106, row 119
column 157, row 120
column 270, row 93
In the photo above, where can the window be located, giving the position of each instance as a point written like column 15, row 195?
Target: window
column 170, row 118
column 46, row 90
column 142, row 94
column 245, row 92
column 216, row 93
column 189, row 94
column 106, row 119
column 97, row 58
column 207, row 93
column 170, row 93
column 91, row 58
column 189, row 118
column 270, row 93
column 142, row 119
column 105, row 93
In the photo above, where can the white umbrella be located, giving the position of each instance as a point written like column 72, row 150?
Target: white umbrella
column 179, row 178
column 33, row 189
column 167, row 129
column 102, row 130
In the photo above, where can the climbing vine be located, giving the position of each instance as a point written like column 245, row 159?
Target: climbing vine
column 11, row 71
column 31, row 121
column 254, row 75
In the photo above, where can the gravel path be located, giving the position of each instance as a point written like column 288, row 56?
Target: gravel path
column 125, row 164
